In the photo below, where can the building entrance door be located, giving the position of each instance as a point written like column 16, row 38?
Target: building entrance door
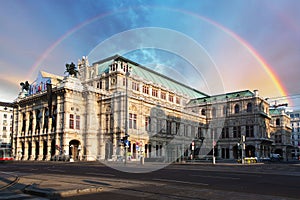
column 73, row 149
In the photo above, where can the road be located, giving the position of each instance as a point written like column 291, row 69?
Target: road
column 176, row 181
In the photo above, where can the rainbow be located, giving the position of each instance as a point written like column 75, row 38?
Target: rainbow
column 62, row 38
column 267, row 68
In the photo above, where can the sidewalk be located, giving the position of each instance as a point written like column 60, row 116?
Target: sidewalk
column 50, row 187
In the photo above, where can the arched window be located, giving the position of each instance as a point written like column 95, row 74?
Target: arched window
column 203, row 111
column 236, row 108
column 249, row 107
column 214, row 112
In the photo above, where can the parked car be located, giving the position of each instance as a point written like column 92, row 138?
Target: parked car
column 275, row 157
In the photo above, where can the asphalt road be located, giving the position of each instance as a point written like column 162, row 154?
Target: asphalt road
column 177, row 181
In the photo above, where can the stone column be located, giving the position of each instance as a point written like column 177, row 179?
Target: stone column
column 25, row 156
column 32, row 156
column 257, row 150
column 231, row 152
column 41, row 149
column 33, row 122
column 27, row 123
column 48, row 156
column 114, row 143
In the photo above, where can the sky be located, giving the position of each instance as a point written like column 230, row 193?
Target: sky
column 214, row 46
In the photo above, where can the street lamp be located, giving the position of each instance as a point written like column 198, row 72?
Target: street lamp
column 127, row 73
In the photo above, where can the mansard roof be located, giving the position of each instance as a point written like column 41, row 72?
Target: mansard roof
column 150, row 75
column 222, row 97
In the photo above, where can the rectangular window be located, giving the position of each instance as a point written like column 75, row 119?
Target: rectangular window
column 106, row 122
column 199, row 132
column 145, row 89
column 235, row 132
column 77, row 121
column 225, row 132
column 277, row 138
column 249, row 131
column 4, row 116
column 239, row 132
column 169, row 127
column 163, row 95
column 177, row 128
column 171, row 98
column 177, row 100
column 135, row 86
column 154, row 92
column 71, row 123
column 124, row 81
column 186, row 130
column 147, row 123
column 132, row 121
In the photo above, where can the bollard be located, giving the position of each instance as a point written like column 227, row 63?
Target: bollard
column 142, row 160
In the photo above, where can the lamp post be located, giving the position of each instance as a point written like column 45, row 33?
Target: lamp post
column 141, row 143
column 213, row 148
column 127, row 73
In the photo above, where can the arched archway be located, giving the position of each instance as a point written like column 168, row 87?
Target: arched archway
column 250, row 151
column 74, row 149
column 278, row 151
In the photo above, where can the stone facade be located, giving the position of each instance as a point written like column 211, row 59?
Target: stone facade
column 6, row 112
column 86, row 117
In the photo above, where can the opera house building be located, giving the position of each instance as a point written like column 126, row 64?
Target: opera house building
column 116, row 107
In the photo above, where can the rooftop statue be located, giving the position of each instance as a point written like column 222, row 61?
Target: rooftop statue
column 71, row 69
column 25, row 86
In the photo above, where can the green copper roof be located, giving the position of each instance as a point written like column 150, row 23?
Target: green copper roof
column 275, row 111
column 150, row 75
column 220, row 97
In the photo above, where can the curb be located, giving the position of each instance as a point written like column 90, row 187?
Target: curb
column 32, row 189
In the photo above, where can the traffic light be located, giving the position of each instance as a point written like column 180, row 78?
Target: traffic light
column 124, row 140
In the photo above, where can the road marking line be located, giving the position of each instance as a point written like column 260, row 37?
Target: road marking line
column 101, row 174
column 220, row 177
column 56, row 170
column 15, row 196
column 176, row 181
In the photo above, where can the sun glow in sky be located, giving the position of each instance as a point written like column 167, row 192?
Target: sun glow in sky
column 233, row 44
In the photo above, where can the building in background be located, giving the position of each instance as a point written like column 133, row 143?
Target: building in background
column 6, row 123
column 88, row 114
column 295, row 137
column 281, row 133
